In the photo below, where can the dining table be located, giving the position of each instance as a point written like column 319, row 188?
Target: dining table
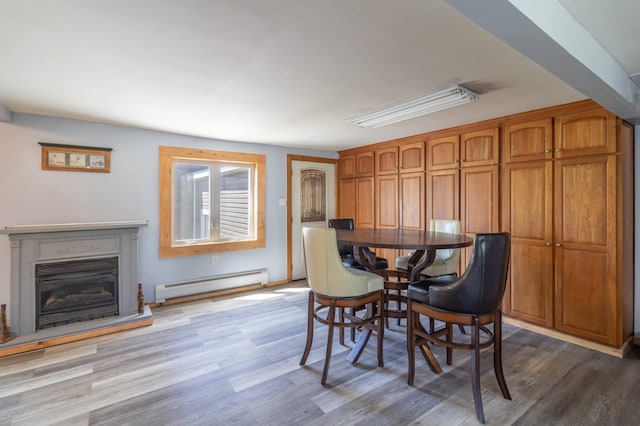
column 424, row 245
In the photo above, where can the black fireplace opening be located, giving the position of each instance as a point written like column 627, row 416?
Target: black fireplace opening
column 77, row 290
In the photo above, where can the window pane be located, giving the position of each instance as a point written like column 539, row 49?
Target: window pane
column 235, row 202
column 313, row 202
column 191, row 202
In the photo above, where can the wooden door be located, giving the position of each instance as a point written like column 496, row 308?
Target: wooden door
column 411, row 157
column 387, row 205
column 585, row 248
column 527, row 209
column 365, row 164
column 347, row 166
column 365, row 203
column 585, row 133
column 528, row 141
column 443, row 195
column 480, row 148
column 347, row 197
column 479, row 203
column 387, row 161
column 412, row 201
column 443, row 153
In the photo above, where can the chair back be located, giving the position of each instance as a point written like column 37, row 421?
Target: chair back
column 480, row 289
column 326, row 274
column 450, row 227
column 347, row 223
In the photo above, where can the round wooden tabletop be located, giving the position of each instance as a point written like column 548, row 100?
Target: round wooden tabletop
column 402, row 239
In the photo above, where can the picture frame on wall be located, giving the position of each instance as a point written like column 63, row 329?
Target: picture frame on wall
column 75, row 158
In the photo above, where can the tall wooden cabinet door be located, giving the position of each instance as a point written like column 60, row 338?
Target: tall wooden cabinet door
column 387, row 161
column 365, row 203
column 527, row 209
column 528, row 141
column 443, row 195
column 411, row 157
column 412, row 201
column 347, row 189
column 365, row 164
column 585, row 133
column 387, row 205
column 585, row 248
column 480, row 148
column 443, row 153
column 479, row 203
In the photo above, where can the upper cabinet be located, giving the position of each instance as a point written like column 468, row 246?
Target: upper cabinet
column 585, row 133
column 477, row 148
column 405, row 158
column 528, row 141
column 357, row 165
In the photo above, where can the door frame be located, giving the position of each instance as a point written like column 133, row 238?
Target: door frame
column 290, row 159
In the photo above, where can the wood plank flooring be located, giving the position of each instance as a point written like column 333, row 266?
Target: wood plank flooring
column 235, row 360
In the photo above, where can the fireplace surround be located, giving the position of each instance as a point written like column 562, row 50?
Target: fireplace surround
column 47, row 264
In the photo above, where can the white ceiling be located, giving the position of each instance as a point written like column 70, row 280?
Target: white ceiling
column 285, row 72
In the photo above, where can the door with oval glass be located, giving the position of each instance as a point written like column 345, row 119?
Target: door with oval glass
column 313, row 202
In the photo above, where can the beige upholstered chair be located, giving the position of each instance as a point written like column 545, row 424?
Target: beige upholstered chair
column 447, row 260
column 334, row 288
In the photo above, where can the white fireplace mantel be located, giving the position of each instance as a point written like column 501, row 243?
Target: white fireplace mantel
column 61, row 227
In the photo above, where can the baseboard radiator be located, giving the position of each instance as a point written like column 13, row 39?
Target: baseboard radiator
column 210, row 284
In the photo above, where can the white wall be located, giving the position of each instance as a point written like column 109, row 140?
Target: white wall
column 636, row 162
column 29, row 195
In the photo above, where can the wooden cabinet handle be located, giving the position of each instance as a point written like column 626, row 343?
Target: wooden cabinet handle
column 557, row 244
column 548, row 150
column 558, row 149
column 547, row 243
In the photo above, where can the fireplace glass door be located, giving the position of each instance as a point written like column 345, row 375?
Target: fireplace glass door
column 74, row 291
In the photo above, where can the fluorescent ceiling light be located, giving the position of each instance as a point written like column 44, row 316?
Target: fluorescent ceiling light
column 453, row 96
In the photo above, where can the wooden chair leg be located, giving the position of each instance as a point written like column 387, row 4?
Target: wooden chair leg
column 307, row 347
column 449, row 327
column 380, row 330
column 411, row 347
column 341, row 320
column 353, row 329
column 475, row 371
column 399, row 293
column 497, row 355
column 327, row 359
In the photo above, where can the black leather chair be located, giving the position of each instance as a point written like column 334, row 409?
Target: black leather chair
column 346, row 250
column 472, row 300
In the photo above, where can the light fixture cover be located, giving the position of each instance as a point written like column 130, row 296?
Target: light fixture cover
column 453, row 96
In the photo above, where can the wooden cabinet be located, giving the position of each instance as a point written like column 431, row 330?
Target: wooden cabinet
column 463, row 181
column 357, row 165
column 564, row 205
column 356, row 188
column 559, row 180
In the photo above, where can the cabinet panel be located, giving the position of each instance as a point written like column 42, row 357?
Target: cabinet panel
column 347, row 198
column 528, row 141
column 387, row 201
column 411, row 157
column 365, row 207
column 443, row 153
column 584, row 295
column 347, row 166
column 479, row 148
column 585, row 251
column 479, row 198
column 443, row 194
column 527, row 210
column 585, row 133
column 365, row 164
column 387, row 161
column 412, row 195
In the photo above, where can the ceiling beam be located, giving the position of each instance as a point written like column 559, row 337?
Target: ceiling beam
column 545, row 32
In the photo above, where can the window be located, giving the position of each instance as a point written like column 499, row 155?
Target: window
column 210, row 201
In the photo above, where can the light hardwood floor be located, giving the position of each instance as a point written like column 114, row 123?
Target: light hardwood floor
column 235, row 360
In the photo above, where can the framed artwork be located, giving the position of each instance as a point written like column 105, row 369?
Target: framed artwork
column 75, row 158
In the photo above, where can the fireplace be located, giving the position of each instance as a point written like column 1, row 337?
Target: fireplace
column 70, row 278
column 76, row 291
